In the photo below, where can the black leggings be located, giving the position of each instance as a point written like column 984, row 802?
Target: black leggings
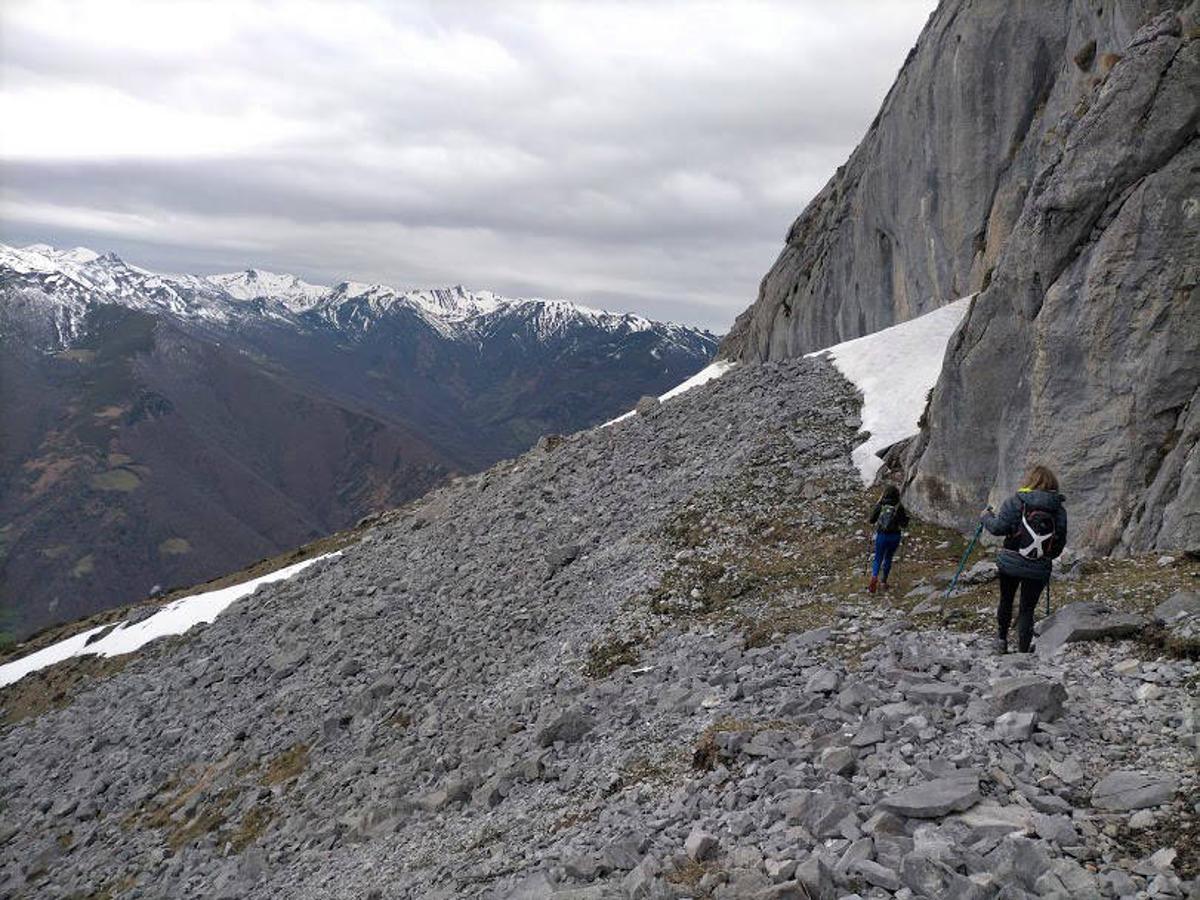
column 1031, row 589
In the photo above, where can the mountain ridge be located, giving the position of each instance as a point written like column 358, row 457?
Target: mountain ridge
column 228, row 297
column 369, row 397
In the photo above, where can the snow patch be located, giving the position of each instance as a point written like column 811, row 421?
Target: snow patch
column 895, row 368
column 174, row 618
column 705, row 375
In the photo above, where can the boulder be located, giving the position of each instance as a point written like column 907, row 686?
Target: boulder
column 981, row 573
column 1086, row 621
column 936, row 798
column 287, row 661
column 875, row 874
column 1123, row 791
column 1029, row 693
column 927, row 877
column 819, row 812
column 823, row 681
column 838, row 760
column 568, row 726
column 561, row 557
column 1180, row 605
column 700, row 845
column 816, row 878
column 1015, row 725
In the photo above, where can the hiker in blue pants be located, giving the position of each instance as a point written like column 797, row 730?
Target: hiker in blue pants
column 889, row 518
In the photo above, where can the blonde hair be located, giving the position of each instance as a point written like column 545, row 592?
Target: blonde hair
column 1040, row 478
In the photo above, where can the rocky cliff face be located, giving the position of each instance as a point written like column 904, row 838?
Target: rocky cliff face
column 1085, row 349
column 920, row 212
column 1043, row 154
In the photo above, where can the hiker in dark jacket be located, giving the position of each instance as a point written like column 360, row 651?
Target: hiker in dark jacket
column 889, row 518
column 1033, row 523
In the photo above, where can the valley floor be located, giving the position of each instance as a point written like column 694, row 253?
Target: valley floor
column 635, row 662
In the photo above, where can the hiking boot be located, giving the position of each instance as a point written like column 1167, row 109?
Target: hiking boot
column 1000, row 646
column 874, row 585
column 883, row 586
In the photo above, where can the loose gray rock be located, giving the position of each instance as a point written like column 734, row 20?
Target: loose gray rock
column 1029, row 693
column 700, row 845
column 1015, row 726
column 875, row 874
column 1086, row 621
column 1181, row 604
column 568, row 726
column 934, row 799
column 562, row 556
column 1132, row 790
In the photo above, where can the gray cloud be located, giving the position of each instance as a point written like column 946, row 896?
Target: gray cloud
column 643, row 156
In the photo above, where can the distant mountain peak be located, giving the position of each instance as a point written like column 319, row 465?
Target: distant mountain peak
column 72, row 281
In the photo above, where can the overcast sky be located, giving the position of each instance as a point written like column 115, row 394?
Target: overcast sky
column 636, row 156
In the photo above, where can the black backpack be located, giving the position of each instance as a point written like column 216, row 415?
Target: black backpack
column 1037, row 536
column 887, row 517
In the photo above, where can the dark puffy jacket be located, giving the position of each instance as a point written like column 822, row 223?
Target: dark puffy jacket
column 899, row 520
column 1007, row 524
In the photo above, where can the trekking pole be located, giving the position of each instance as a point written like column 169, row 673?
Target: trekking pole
column 1047, row 598
column 963, row 561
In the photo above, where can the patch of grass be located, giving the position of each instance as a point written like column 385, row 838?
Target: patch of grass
column 84, row 567
column 193, row 790
column 608, row 655
column 251, row 828
column 776, row 622
column 1162, row 643
column 209, row 818
column 1180, row 829
column 692, row 872
column 644, row 770
column 56, row 686
column 175, row 546
column 400, row 719
column 112, row 889
column 116, row 480
column 706, row 754
column 571, row 819
column 287, row 765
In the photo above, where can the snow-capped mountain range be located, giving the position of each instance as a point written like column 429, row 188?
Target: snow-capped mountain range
column 163, row 429
column 65, row 284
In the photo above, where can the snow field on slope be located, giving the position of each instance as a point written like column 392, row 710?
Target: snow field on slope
column 895, row 369
column 174, row 618
column 705, row 375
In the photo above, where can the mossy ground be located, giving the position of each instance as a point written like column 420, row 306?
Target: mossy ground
column 772, row 564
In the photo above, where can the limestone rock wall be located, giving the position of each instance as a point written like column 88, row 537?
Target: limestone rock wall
column 1084, row 351
column 921, row 211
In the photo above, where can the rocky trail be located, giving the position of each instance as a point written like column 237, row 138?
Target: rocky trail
column 635, row 662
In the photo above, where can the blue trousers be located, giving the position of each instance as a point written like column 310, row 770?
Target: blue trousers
column 885, row 549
